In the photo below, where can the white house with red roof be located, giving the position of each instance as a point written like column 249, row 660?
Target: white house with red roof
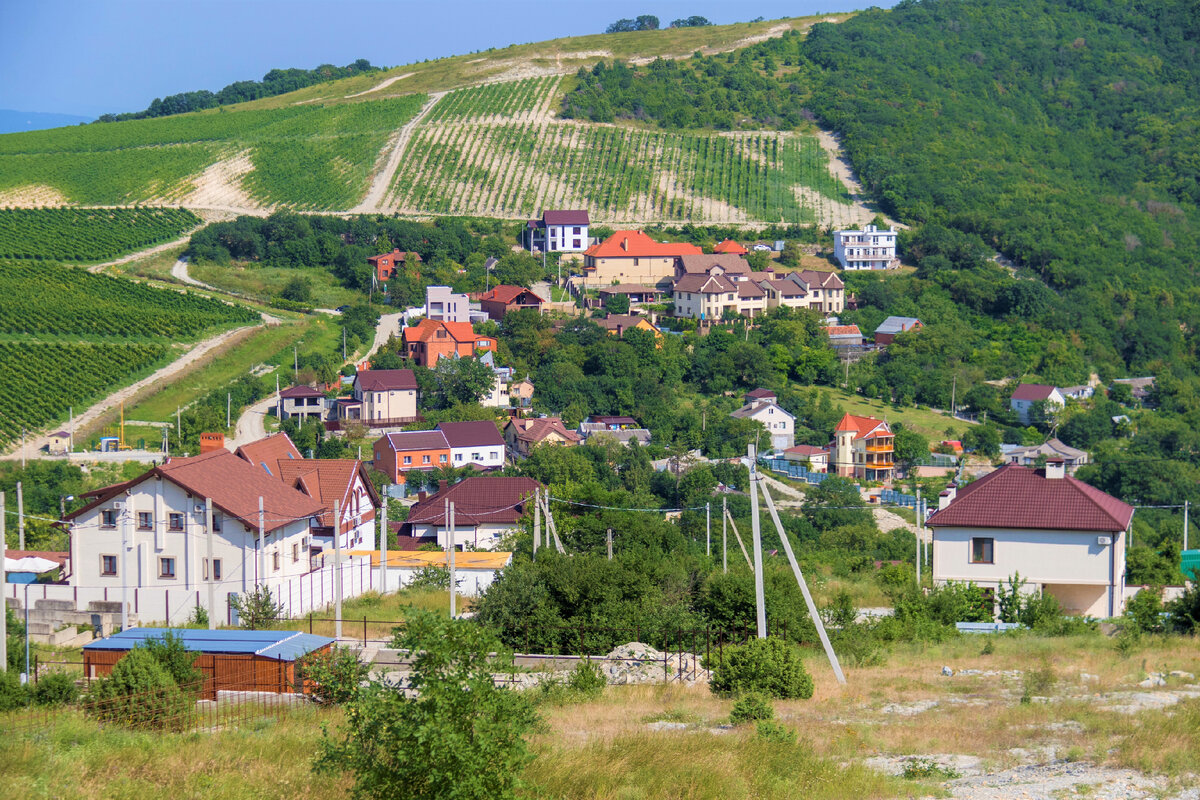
column 1026, row 394
column 1060, row 534
column 780, row 425
column 477, row 443
column 862, row 448
column 485, row 510
column 817, row 458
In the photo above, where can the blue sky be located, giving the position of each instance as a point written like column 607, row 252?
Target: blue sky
column 99, row 56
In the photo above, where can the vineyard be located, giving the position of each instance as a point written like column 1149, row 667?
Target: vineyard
column 42, row 380
column 495, row 150
column 306, row 157
column 49, row 299
column 87, row 234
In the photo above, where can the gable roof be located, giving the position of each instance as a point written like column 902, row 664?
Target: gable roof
column 268, row 453
column 327, row 480
column 730, row 246
column 785, row 287
column 400, row 255
column 841, row 330
column 825, row 280
column 537, row 429
column 635, row 244
column 301, row 391
column 754, row 407
column 565, row 217
column 477, row 501
column 479, row 433
column 701, row 263
column 807, row 450
column 1019, row 497
column 507, row 294
column 386, row 380
column 760, row 394
column 750, row 289
column 417, row 440
column 1051, row 448
column 863, row 427
column 619, row 322
column 1033, row 392
column 897, row 324
column 703, row 283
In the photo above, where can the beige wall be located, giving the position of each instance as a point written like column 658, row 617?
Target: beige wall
column 649, row 271
column 396, row 404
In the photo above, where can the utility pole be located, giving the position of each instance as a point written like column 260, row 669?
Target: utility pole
column 1185, row 523
column 537, row 520
column 707, row 529
column 278, row 400
column 343, row 344
column 724, row 536
column 295, row 361
column 20, row 517
column 953, row 394
column 3, row 536
column 22, row 448
column 71, row 429
column 337, row 568
column 262, row 543
column 228, row 407
column 383, row 543
column 212, row 565
column 450, row 561
column 178, row 429
column 608, row 540
column 920, row 542
column 760, row 602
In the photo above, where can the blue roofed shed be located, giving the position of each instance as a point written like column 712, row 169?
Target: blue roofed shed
column 232, row 660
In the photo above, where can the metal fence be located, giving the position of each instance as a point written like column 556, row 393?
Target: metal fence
column 795, row 470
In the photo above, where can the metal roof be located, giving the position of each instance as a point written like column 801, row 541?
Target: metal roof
column 277, row 645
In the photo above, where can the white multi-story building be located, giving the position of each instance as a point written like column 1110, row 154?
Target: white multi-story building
column 442, row 303
column 558, row 231
column 779, row 424
column 478, row 443
column 870, row 248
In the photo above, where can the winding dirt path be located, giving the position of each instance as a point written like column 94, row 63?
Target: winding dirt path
column 383, row 178
column 148, row 252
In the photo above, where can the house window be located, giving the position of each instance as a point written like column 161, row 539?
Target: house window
column 458, row 456
column 575, row 231
column 981, row 550
column 295, row 553
column 108, row 518
column 217, row 529
column 424, row 459
column 145, row 521
column 408, row 459
column 442, row 458
column 216, row 569
column 166, row 568
column 175, row 521
column 108, row 565
column 275, row 561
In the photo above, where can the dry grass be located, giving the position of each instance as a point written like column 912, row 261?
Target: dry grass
column 378, row 613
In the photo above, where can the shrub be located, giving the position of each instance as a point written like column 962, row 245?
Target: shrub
column 587, row 679
column 257, row 608
column 775, row 732
column 771, row 666
column 199, row 617
column 750, row 707
column 1185, row 610
column 1144, row 610
column 140, row 693
column 177, row 660
column 13, row 695
column 331, row 676
column 430, row 578
column 55, row 689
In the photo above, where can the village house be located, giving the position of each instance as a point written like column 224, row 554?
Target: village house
column 521, row 393
column 1080, row 392
column 598, row 427
column 1030, row 456
column 843, row 335
column 478, row 443
column 384, row 397
column 1059, row 534
column 503, row 299
column 152, row 531
column 1027, row 394
column 863, row 448
column 429, row 340
column 499, row 394
column 486, row 509
column 442, row 304
column 780, row 425
column 826, row 291
column 302, row 403
column 892, row 327
column 713, row 297
column 399, row 453
column 733, row 267
column 386, row 265
column 817, row 458
column 633, row 257
column 869, row 248
column 558, row 231
column 618, row 324
column 522, row 434
column 730, row 246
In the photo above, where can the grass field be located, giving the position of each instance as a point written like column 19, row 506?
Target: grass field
column 264, row 283
column 925, row 422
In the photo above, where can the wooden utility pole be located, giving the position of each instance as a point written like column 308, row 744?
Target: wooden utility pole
column 212, row 565
column 450, row 561
column 337, row 568
column 760, row 603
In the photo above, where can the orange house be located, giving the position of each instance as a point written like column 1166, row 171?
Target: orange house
column 388, row 264
column 398, row 453
column 431, row 339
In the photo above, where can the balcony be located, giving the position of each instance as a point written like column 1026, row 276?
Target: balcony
column 879, row 448
column 879, row 465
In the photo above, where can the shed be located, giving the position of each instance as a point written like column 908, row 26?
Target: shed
column 231, row 660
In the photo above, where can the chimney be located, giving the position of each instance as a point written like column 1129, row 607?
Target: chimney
column 625, row 244
column 1055, row 469
column 421, row 495
column 442, row 486
column 947, row 496
column 211, row 441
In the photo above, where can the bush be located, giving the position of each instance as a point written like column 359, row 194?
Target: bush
column 257, row 608
column 177, row 660
column 771, row 666
column 12, row 694
column 430, row 577
column 331, row 677
column 750, row 707
column 774, row 732
column 55, row 689
column 1185, row 610
column 140, row 693
column 1144, row 611
column 587, row 679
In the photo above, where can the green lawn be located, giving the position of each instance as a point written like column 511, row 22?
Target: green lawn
column 925, row 422
column 264, row 283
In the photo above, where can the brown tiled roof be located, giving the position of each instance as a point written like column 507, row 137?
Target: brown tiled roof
column 417, row 440
column 507, row 294
column 785, row 287
column 701, row 264
column 477, row 501
column 267, row 454
column 825, row 280
column 634, row 244
column 750, row 289
column 619, row 322
column 761, row 394
column 704, row 283
column 471, row 434
column 565, row 217
column 1020, row 497
column 400, row 256
column 301, row 391
column 326, row 480
column 386, row 380
column 537, row 429
column 1032, row 391
column 807, row 450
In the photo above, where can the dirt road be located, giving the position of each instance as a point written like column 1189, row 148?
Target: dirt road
column 252, row 424
column 141, row 253
column 383, row 178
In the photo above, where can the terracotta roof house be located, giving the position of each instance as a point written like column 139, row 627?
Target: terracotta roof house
column 269, row 452
column 863, row 448
column 429, row 340
column 302, row 401
column 633, row 257
column 502, row 299
column 344, row 481
column 817, row 457
column 730, row 246
column 485, row 510
column 388, row 264
column 477, row 442
column 558, row 231
column 1025, row 395
column 398, row 453
column 892, row 327
column 618, row 324
column 843, row 335
column 522, row 434
column 383, row 398
column 1062, row 535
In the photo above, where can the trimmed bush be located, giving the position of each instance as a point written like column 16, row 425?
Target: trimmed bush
column 750, row 707
column 771, row 666
column 140, row 693
column 55, row 689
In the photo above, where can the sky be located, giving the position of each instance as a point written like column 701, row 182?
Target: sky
column 89, row 57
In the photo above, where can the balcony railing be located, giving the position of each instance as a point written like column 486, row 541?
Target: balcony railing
column 879, row 448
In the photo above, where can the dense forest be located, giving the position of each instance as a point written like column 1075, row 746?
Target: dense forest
column 277, row 81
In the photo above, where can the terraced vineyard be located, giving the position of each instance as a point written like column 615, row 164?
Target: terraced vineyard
column 43, row 379
column 307, row 156
column 87, row 234
column 496, row 150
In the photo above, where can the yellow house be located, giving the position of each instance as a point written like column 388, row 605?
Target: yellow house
column 618, row 324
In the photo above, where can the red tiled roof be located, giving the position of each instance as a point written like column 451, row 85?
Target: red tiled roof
column 417, row 440
column 1020, row 497
column 386, row 380
column 426, row 329
column 478, row 433
column 537, row 429
column 863, row 427
column 268, row 453
column 1033, row 392
column 730, row 246
column 841, row 330
column 566, row 217
column 635, row 244
column 477, row 501
column 507, row 294
column 400, row 255
column 807, row 450
column 301, row 391
column 326, row 480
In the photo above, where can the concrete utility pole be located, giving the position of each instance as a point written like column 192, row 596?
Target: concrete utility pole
column 450, row 562
column 708, row 529
column 212, row 565
column 724, row 537
column 1185, row 524
column 383, row 543
column 228, row 407
column 337, row 568
column 4, row 620
column 3, row 531
column 295, row 361
column 537, row 520
column 71, row 429
column 760, row 602
column 262, row 543
column 920, row 538
column 20, row 517
column 608, row 539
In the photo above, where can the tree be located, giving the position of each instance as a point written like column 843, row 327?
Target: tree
column 298, row 290
column 140, row 693
column 452, row 734
column 617, row 304
column 257, row 608
column 910, row 446
column 835, row 502
column 691, row 22
column 463, row 380
column 984, row 439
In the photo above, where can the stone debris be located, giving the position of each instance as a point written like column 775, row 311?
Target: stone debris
column 1056, row 780
column 983, row 673
column 909, row 709
column 1178, row 673
column 1133, row 702
column 947, row 672
column 632, row 663
column 964, row 765
column 1155, row 679
column 1087, row 677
